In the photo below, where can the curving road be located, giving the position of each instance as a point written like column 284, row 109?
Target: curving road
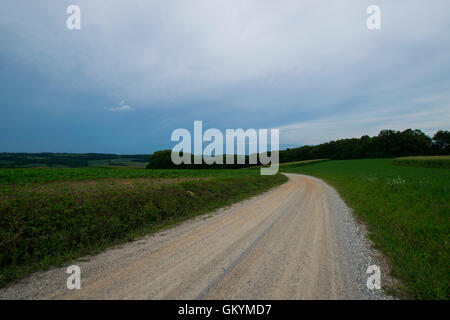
column 297, row 241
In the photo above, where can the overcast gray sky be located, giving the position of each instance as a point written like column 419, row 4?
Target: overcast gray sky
column 139, row 69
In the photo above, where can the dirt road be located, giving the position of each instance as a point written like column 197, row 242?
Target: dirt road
column 297, row 241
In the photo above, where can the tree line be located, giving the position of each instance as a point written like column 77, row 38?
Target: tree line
column 387, row 144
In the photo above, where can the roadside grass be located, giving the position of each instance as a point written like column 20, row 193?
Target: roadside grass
column 48, row 219
column 42, row 175
column 407, row 213
column 427, row 162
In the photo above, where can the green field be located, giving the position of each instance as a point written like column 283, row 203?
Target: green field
column 50, row 216
column 427, row 162
column 407, row 212
column 41, row 175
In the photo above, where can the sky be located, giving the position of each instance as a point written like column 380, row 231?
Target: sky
column 139, row 69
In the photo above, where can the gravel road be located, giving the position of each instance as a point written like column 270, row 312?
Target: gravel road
column 297, row 241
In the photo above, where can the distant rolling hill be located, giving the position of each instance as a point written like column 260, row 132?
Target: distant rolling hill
column 46, row 159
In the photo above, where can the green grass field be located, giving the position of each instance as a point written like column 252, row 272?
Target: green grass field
column 50, row 216
column 41, row 175
column 427, row 162
column 407, row 212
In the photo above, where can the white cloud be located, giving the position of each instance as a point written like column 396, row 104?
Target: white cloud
column 365, row 123
column 121, row 108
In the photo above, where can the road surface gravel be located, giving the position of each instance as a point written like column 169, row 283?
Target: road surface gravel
column 296, row 241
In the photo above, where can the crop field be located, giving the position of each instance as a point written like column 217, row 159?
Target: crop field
column 427, row 162
column 407, row 212
column 50, row 216
column 41, row 175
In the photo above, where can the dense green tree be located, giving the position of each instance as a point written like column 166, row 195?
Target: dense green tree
column 161, row 160
column 441, row 141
